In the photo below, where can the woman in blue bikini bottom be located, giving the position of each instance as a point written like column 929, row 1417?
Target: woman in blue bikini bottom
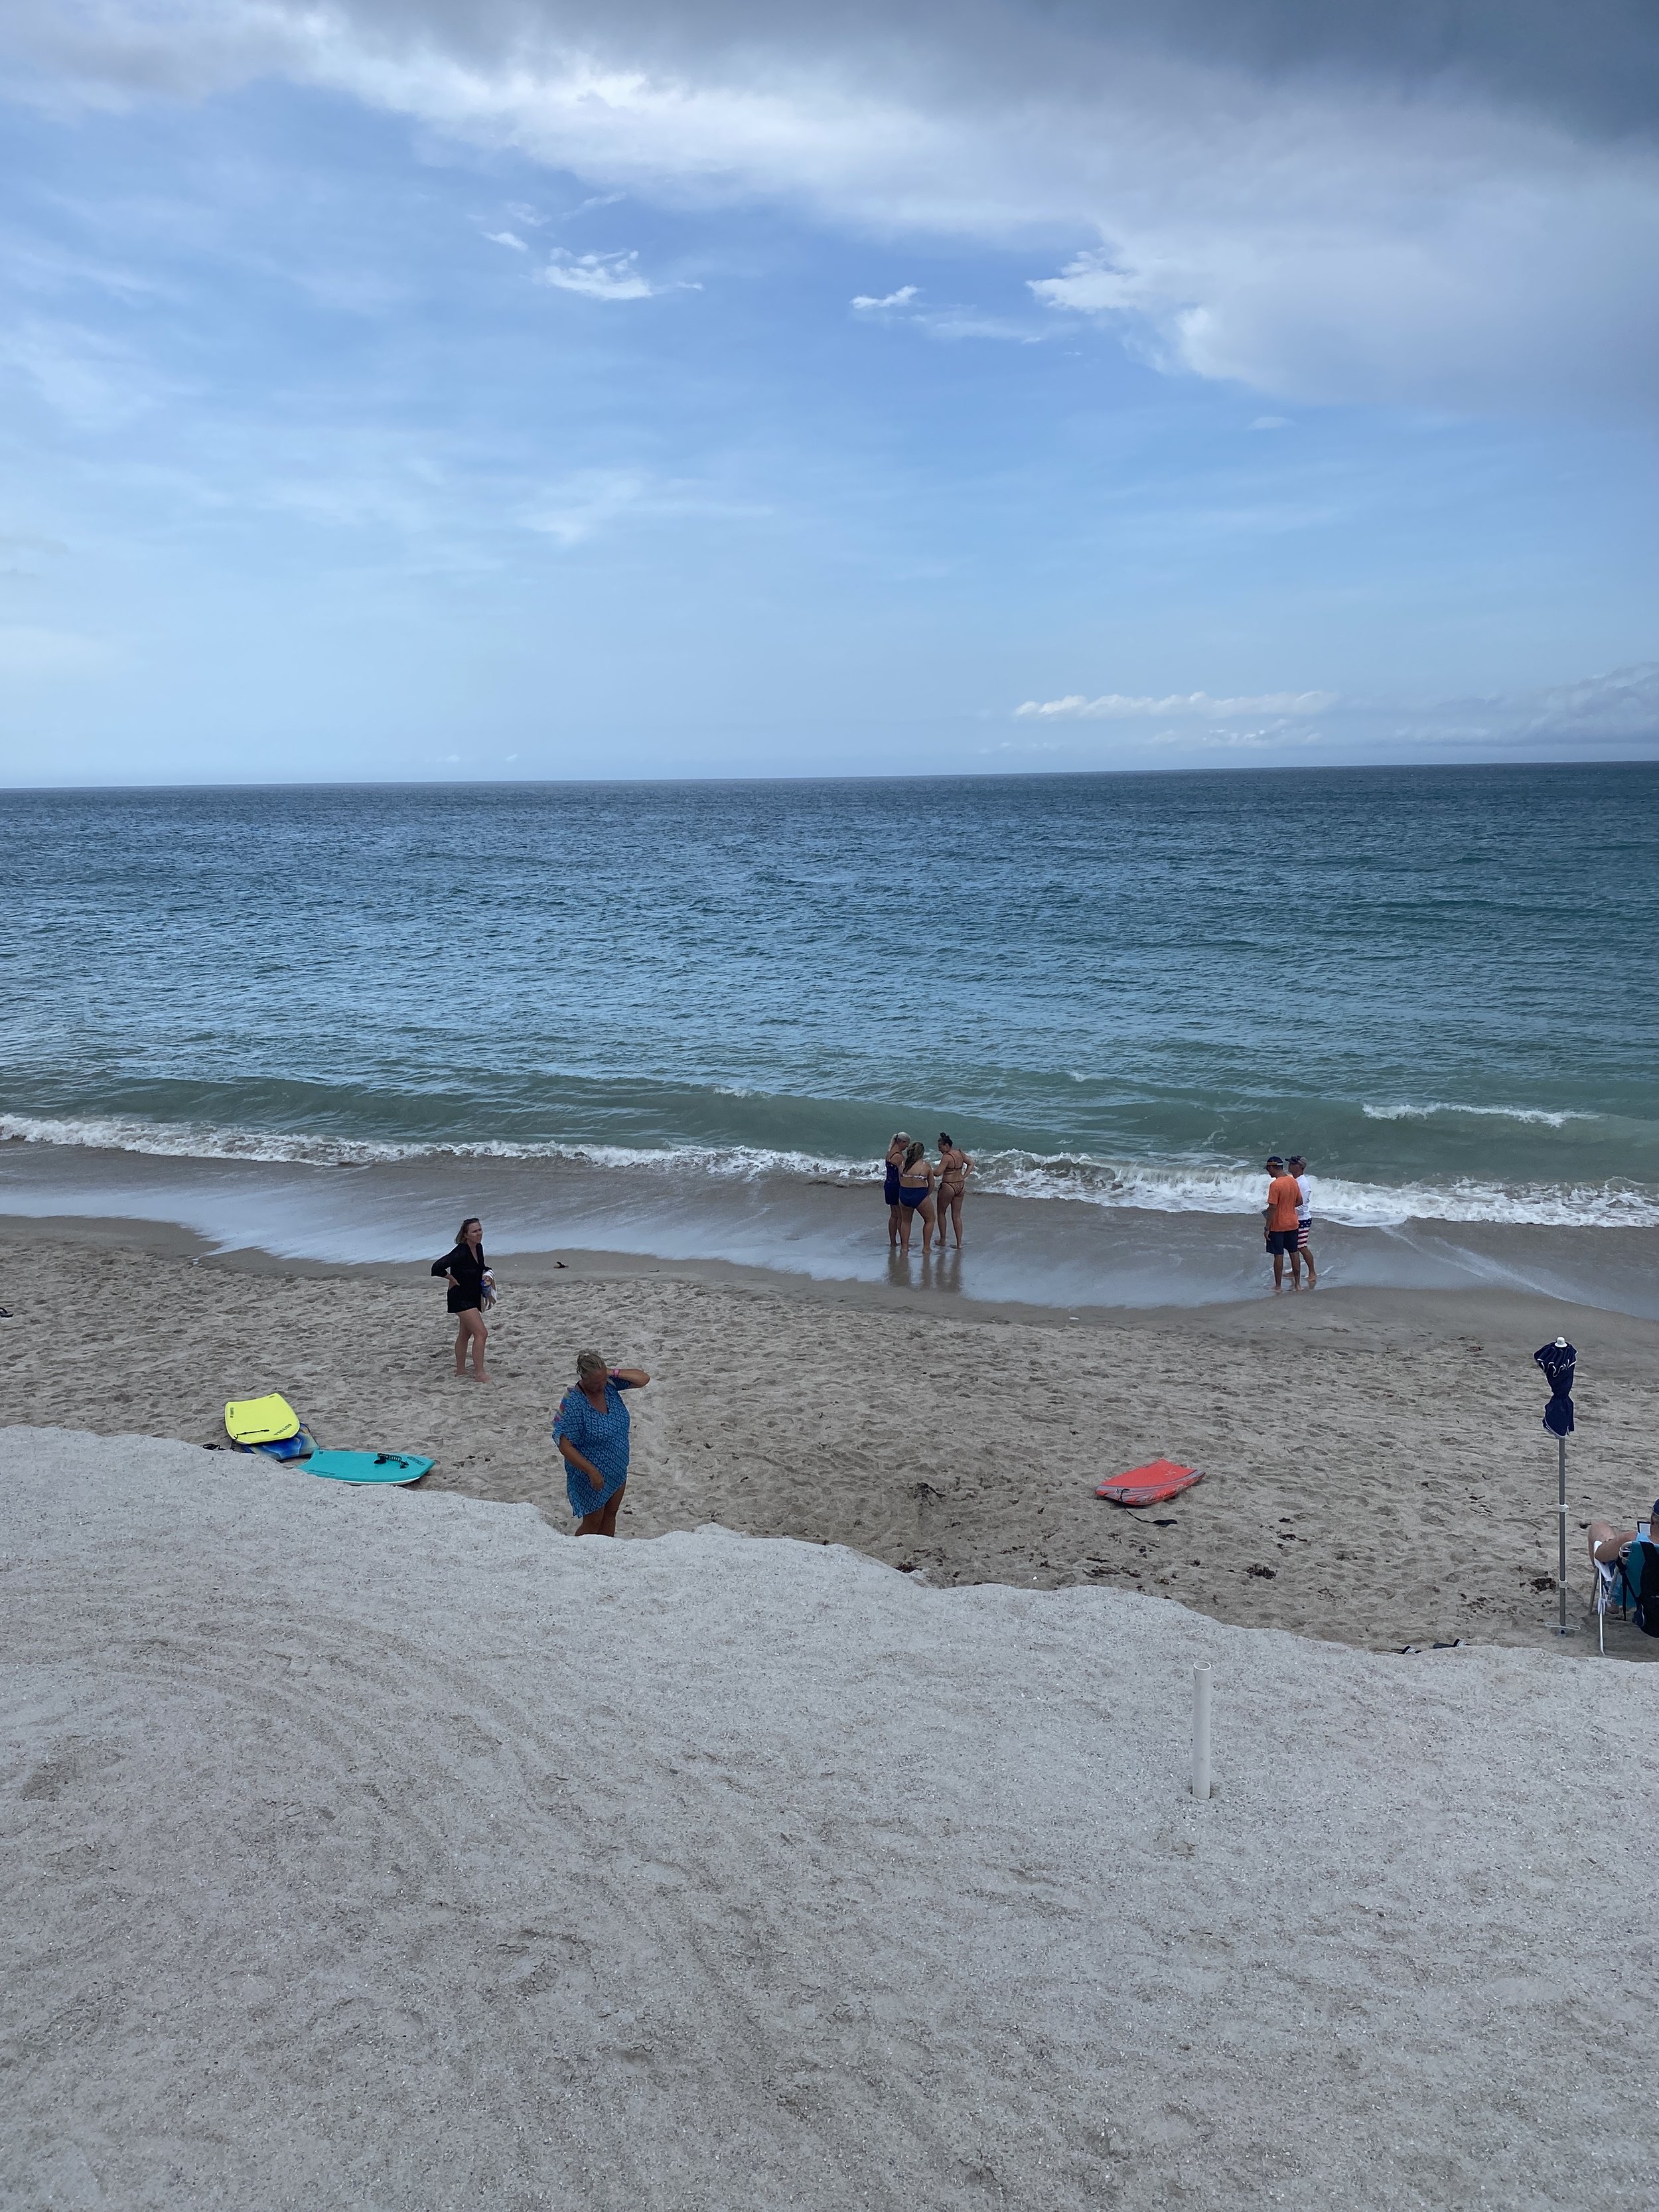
column 916, row 1196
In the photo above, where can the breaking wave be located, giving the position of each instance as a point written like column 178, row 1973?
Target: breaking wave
column 1537, row 1116
column 1156, row 1187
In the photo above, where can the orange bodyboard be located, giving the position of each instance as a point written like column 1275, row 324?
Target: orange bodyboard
column 1155, row 1484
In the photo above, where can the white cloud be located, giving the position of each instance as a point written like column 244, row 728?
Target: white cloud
column 1271, row 422
column 507, row 238
column 1274, row 739
column 85, row 378
column 1612, row 714
column 527, row 216
column 1618, row 709
column 585, row 502
column 951, row 323
column 591, row 500
column 598, row 276
column 1117, row 706
column 970, row 323
column 1309, row 203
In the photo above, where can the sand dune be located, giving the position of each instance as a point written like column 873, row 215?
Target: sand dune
column 373, row 1850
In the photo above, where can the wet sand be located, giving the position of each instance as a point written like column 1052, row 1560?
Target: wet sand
column 1376, row 1469
column 1048, row 1252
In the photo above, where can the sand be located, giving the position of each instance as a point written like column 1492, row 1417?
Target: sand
column 1376, row 1469
column 373, row 1851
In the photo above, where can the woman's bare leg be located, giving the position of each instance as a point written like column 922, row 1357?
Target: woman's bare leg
column 909, row 1213
column 951, row 1209
column 602, row 1521
column 929, row 1216
column 472, row 1331
column 893, row 1224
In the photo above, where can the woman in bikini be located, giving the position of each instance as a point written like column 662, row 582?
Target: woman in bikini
column 954, row 1168
column 916, row 1195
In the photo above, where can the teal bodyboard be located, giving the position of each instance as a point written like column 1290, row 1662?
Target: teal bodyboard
column 366, row 1466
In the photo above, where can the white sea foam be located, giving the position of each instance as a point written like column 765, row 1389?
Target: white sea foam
column 198, row 1142
column 1427, row 1112
column 1172, row 1187
column 1157, row 1186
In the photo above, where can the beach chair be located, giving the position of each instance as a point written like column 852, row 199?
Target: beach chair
column 1611, row 1590
column 1631, row 1584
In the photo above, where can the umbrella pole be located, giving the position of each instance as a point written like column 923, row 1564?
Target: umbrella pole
column 1561, row 1488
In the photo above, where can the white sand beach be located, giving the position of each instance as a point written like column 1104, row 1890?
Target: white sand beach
column 368, row 1848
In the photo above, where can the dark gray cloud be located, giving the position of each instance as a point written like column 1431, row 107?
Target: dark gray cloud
column 1593, row 65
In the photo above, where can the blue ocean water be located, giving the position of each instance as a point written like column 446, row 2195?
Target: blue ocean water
column 1442, row 985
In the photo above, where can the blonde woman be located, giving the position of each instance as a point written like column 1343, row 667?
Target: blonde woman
column 915, row 1195
column 592, row 1433
column 894, row 1165
column 467, row 1271
column 954, row 1168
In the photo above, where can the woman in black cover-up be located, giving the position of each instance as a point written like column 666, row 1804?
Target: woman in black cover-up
column 464, row 1267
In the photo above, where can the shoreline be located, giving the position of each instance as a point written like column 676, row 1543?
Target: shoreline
column 1400, row 1318
column 1050, row 1252
column 1375, row 1470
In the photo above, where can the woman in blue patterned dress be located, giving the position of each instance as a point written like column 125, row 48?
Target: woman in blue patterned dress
column 592, row 1434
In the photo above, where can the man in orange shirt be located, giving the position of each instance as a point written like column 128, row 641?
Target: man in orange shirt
column 1284, row 1197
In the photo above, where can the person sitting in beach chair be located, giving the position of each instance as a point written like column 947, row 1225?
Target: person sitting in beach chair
column 1626, row 1565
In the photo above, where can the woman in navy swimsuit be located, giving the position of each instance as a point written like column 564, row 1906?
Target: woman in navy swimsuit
column 891, row 1186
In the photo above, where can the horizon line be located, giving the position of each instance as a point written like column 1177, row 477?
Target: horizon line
column 1301, row 767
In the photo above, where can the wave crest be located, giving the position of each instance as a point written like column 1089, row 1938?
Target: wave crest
column 1538, row 1115
column 1152, row 1186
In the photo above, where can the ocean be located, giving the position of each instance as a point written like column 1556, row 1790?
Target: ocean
column 636, row 1012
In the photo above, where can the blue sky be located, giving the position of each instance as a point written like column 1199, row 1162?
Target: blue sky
column 418, row 398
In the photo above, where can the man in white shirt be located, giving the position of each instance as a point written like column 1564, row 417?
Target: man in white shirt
column 1303, row 1214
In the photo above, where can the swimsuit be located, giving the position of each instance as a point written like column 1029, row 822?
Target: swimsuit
column 891, row 1186
column 909, row 1197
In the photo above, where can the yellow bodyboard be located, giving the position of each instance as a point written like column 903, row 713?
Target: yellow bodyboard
column 261, row 1420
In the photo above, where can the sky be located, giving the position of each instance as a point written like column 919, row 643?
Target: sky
column 425, row 389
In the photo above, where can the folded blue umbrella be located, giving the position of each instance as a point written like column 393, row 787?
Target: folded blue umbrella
column 1557, row 1361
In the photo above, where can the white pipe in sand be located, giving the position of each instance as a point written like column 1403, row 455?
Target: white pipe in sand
column 1201, row 1732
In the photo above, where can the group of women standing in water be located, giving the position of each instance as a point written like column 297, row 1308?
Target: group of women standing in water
column 914, row 1185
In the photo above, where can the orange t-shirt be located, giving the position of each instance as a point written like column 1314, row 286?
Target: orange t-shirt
column 1282, row 1197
